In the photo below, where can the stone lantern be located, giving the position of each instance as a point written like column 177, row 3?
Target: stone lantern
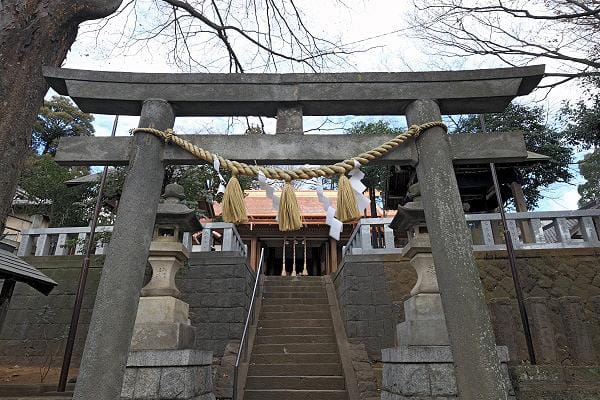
column 424, row 323
column 422, row 342
column 162, row 363
column 162, row 319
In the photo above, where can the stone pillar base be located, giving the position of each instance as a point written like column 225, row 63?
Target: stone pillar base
column 168, row 374
column 162, row 324
column 163, row 336
column 424, row 322
column 426, row 373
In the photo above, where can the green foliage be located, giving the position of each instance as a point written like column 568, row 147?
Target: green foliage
column 99, row 237
column 58, row 118
column 539, row 138
column 43, row 181
column 583, row 122
column 582, row 129
column 590, row 170
column 376, row 176
column 254, row 130
column 198, row 181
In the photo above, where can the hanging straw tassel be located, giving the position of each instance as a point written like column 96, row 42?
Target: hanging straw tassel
column 347, row 210
column 234, row 209
column 289, row 211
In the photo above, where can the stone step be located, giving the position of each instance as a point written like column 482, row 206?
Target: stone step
column 294, row 323
column 283, row 300
column 294, row 295
column 279, row 278
column 294, row 288
column 296, row 382
column 295, row 331
column 333, row 369
column 284, row 339
column 294, row 307
column 295, row 315
column 293, row 282
column 295, row 348
column 300, row 358
column 283, row 394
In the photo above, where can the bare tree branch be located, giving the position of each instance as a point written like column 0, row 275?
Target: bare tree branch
column 564, row 33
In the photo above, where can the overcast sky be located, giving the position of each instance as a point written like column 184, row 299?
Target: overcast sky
column 379, row 25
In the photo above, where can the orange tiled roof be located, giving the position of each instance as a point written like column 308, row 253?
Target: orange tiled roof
column 259, row 205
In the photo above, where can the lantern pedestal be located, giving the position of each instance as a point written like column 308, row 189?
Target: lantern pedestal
column 422, row 363
column 162, row 321
column 162, row 324
column 163, row 363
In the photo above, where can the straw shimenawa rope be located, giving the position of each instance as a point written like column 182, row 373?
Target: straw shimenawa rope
column 340, row 168
column 289, row 216
column 346, row 210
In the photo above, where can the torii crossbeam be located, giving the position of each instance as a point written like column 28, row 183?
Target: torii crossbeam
column 421, row 96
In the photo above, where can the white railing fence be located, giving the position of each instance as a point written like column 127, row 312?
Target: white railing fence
column 215, row 236
column 61, row 241
column 536, row 230
column 529, row 231
column 371, row 236
column 223, row 232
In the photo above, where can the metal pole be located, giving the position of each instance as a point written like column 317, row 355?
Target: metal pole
column 294, row 257
column 64, row 371
column 6, row 293
column 513, row 268
column 283, row 262
column 305, row 269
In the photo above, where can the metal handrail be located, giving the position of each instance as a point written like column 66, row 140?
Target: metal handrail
column 250, row 317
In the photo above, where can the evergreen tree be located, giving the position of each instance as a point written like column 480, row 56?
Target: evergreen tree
column 57, row 118
column 540, row 138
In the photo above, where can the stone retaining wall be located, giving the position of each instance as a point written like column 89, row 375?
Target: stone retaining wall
column 217, row 286
column 562, row 287
column 365, row 302
column 564, row 284
column 556, row 382
column 36, row 326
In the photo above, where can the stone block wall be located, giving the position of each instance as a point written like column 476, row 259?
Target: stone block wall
column 36, row 326
column 555, row 382
column 562, row 287
column 218, row 287
column 562, row 291
column 427, row 373
column 166, row 375
column 365, row 303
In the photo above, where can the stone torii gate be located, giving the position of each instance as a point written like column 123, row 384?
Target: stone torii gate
column 422, row 97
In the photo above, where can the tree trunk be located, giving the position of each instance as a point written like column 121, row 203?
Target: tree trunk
column 33, row 33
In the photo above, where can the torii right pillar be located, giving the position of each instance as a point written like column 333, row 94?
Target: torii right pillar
column 476, row 361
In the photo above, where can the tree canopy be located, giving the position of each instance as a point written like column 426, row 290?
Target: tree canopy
column 540, row 137
column 43, row 179
column 376, row 176
column 589, row 168
column 44, row 182
column 582, row 120
column 57, row 118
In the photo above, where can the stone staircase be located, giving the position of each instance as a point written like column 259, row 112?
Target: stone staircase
column 295, row 354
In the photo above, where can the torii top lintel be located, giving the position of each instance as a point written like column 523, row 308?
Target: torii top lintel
column 369, row 93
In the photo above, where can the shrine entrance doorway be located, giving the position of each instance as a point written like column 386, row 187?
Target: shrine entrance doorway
column 301, row 255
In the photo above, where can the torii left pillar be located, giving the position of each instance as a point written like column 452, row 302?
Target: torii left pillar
column 109, row 335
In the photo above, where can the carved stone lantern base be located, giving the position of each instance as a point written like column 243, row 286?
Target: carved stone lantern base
column 162, row 324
